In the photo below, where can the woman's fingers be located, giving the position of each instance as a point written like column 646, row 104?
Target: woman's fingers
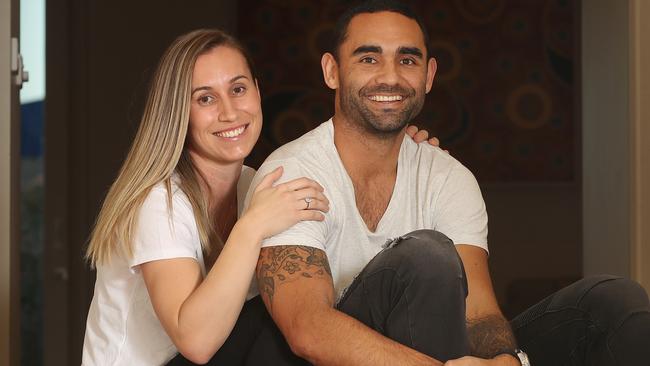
column 300, row 183
column 421, row 136
column 269, row 179
column 314, row 204
column 317, row 199
column 411, row 130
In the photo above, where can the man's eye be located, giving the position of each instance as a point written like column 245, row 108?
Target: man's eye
column 368, row 60
column 408, row 61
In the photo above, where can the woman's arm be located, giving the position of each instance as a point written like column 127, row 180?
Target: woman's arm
column 198, row 315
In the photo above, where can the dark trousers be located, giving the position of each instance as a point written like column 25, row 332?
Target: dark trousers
column 252, row 319
column 597, row 321
column 414, row 292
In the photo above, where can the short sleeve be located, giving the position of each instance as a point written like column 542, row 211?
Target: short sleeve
column 460, row 210
column 161, row 236
column 308, row 233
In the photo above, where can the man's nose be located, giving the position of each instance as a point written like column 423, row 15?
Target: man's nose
column 389, row 74
column 227, row 111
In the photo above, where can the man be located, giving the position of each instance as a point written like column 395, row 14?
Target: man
column 381, row 73
column 335, row 295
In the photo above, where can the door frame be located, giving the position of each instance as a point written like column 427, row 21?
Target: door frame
column 9, row 189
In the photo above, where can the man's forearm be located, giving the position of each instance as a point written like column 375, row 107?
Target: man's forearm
column 296, row 285
column 490, row 336
column 343, row 340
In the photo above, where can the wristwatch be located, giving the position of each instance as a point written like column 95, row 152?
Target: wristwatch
column 521, row 356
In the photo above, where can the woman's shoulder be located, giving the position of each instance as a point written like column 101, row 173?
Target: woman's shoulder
column 164, row 193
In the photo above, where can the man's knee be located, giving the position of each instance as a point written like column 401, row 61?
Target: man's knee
column 612, row 299
column 427, row 254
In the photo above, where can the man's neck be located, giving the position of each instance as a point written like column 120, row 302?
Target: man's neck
column 363, row 154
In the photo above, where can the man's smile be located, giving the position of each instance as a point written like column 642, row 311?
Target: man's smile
column 386, row 98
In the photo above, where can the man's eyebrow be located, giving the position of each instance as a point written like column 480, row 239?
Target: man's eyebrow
column 199, row 88
column 415, row 51
column 366, row 49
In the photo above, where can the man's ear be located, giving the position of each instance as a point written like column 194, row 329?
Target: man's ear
column 432, row 66
column 330, row 70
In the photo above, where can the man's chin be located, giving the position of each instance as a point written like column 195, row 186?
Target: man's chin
column 387, row 128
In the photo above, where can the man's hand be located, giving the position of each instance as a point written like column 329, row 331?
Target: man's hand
column 500, row 360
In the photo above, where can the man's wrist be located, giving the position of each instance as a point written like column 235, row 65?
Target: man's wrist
column 508, row 359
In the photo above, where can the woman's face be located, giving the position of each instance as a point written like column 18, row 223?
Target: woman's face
column 225, row 112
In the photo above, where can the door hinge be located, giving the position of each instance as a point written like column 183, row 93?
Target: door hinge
column 17, row 67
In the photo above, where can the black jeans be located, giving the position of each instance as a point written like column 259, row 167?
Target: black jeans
column 597, row 321
column 252, row 319
column 414, row 292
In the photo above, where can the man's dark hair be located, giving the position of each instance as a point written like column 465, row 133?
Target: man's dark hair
column 374, row 6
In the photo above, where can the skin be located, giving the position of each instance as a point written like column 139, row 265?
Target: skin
column 225, row 97
column 300, row 295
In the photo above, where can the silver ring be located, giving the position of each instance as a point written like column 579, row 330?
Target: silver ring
column 307, row 201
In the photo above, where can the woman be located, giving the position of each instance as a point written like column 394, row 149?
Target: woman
column 166, row 282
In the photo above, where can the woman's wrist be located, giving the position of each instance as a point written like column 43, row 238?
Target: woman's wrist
column 246, row 230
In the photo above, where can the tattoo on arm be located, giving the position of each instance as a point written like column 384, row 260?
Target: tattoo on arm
column 490, row 336
column 283, row 264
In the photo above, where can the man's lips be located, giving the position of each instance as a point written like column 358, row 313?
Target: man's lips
column 232, row 132
column 386, row 98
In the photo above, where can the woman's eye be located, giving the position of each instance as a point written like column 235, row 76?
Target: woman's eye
column 205, row 99
column 239, row 90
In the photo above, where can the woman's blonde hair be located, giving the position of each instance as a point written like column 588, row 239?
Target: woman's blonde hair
column 159, row 149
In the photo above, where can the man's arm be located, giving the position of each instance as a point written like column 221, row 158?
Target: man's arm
column 295, row 283
column 488, row 331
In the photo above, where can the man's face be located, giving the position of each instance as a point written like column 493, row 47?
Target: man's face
column 383, row 72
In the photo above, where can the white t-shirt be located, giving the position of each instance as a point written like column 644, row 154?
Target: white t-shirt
column 432, row 191
column 122, row 327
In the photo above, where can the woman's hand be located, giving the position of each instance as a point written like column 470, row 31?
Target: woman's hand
column 421, row 135
column 274, row 209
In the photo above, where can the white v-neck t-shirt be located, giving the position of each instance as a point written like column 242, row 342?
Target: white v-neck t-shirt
column 122, row 327
column 432, row 191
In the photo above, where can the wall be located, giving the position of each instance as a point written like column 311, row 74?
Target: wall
column 606, row 137
column 505, row 102
column 534, row 240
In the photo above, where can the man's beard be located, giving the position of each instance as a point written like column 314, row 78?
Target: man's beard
column 386, row 123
